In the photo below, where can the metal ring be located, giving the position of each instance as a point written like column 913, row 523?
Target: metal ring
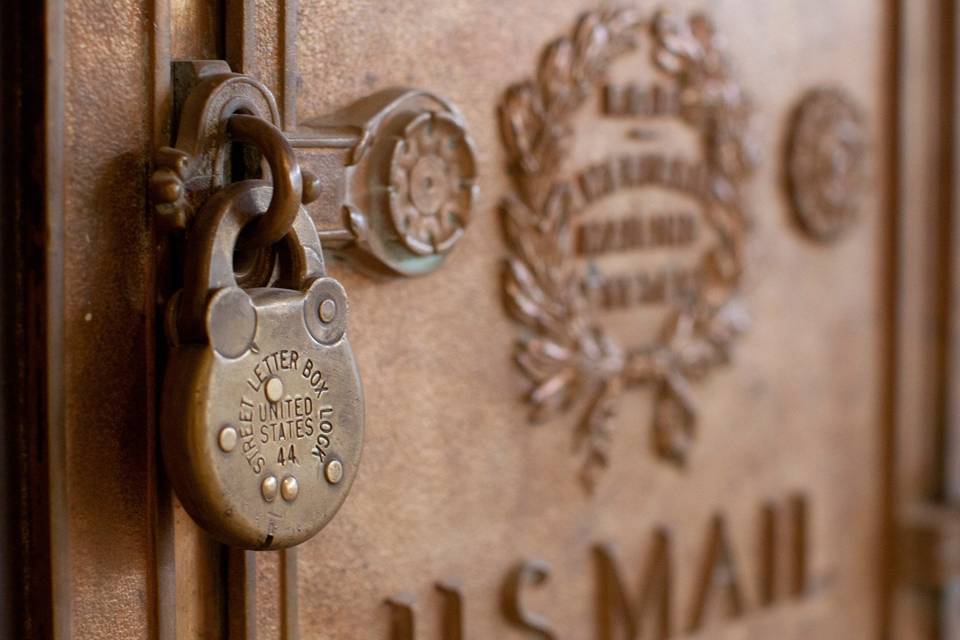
column 273, row 225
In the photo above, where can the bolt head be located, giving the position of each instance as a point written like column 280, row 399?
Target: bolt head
column 328, row 310
column 334, row 471
column 227, row 438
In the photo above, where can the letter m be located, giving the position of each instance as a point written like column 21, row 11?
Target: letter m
column 620, row 617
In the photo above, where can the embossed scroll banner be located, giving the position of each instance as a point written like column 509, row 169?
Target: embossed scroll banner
column 602, row 237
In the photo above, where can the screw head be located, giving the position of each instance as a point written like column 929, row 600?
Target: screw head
column 334, row 471
column 289, row 489
column 227, row 438
column 274, row 389
column 268, row 488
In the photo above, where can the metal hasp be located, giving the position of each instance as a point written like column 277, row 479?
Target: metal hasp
column 397, row 179
column 262, row 413
column 389, row 181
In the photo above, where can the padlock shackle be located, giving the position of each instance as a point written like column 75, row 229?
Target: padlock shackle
column 273, row 225
column 215, row 235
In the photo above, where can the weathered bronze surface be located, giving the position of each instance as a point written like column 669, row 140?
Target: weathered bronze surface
column 813, row 499
column 390, row 180
column 776, row 426
column 262, row 417
column 558, row 283
column 262, row 423
column 825, row 163
column 399, row 179
column 402, row 178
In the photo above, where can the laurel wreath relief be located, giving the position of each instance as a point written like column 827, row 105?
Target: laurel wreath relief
column 568, row 357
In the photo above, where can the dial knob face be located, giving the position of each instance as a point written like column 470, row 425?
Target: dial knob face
column 432, row 183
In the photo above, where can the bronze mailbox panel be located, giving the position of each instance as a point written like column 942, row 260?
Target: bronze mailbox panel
column 652, row 362
column 458, row 487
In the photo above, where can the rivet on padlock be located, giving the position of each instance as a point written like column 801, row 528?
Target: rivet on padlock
column 262, row 424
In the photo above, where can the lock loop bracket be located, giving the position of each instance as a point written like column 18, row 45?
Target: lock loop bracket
column 389, row 181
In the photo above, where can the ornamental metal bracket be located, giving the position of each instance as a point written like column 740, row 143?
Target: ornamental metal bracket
column 390, row 181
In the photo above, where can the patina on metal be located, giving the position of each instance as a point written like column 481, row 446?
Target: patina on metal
column 390, row 181
column 261, row 391
column 826, row 163
column 558, row 281
column 272, row 226
column 399, row 177
column 788, row 517
column 262, row 394
column 263, row 412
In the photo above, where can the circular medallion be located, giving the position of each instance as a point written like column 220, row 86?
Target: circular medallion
column 826, row 163
column 432, row 172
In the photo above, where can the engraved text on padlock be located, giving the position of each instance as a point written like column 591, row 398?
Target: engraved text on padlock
column 263, row 408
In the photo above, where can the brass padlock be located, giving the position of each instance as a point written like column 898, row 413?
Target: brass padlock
column 262, row 420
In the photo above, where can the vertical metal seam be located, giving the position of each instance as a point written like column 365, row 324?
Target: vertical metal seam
column 288, row 61
column 948, row 329
column 55, row 402
column 289, row 595
column 944, row 202
column 241, row 36
column 241, row 577
column 162, row 609
column 891, row 320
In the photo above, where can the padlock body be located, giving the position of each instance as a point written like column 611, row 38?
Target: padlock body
column 263, row 447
